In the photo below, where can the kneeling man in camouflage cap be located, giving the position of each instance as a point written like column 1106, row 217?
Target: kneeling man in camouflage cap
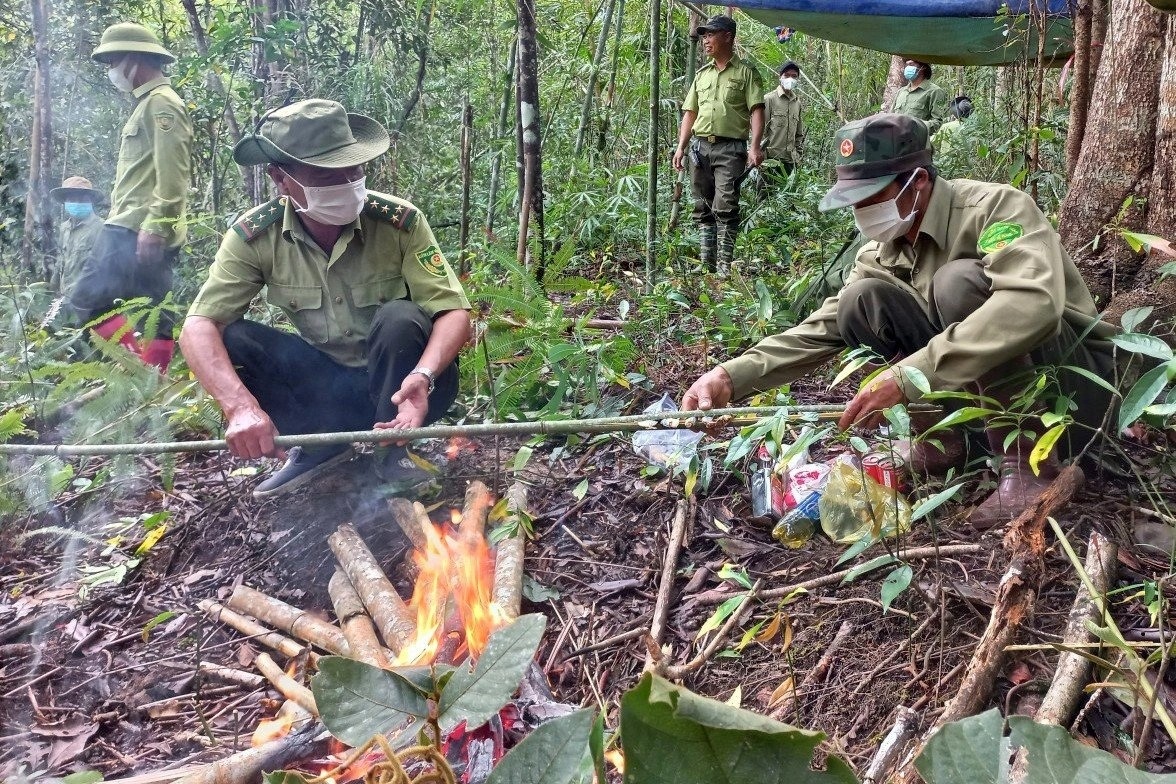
column 380, row 314
column 963, row 281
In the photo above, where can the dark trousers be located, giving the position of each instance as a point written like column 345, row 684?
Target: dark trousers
column 872, row 312
column 716, row 174
column 113, row 272
column 306, row 391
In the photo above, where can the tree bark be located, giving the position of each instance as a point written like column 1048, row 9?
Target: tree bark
column 467, row 178
column 531, row 208
column 652, row 148
column 894, row 81
column 594, row 76
column 602, row 136
column 1080, row 91
column 499, row 132
column 38, row 224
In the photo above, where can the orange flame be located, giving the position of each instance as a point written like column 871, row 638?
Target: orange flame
column 272, row 729
column 457, row 445
column 455, row 586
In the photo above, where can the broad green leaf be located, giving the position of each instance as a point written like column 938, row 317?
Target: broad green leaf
column 82, row 777
column 1044, row 446
column 868, row 566
column 969, row 751
column 1163, row 410
column 580, row 490
column 596, row 747
column 1134, row 317
column 163, row 617
column 856, row 549
column 1054, row 757
column 285, row 777
column 672, row 736
column 895, row 583
column 960, row 416
column 474, row 695
column 1149, row 387
column 1089, row 376
column 356, row 700
column 735, row 574
column 1139, row 343
column 930, row 504
column 915, row 378
column 551, row 754
column 722, row 613
column 521, row 458
column 851, row 367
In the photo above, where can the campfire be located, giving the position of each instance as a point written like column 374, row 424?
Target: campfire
column 464, row 589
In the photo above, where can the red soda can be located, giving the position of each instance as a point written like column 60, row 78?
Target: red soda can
column 885, row 469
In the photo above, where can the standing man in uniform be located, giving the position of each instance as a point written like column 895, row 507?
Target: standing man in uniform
column 78, row 232
column 138, row 247
column 920, row 97
column 784, row 130
column 380, row 314
column 723, row 104
column 965, row 282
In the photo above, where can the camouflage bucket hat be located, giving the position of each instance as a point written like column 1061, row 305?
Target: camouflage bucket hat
column 76, row 188
column 871, row 152
column 313, row 132
column 127, row 37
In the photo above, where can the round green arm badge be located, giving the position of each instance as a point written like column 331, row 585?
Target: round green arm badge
column 998, row 235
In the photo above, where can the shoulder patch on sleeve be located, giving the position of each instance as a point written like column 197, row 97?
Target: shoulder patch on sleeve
column 388, row 211
column 257, row 220
column 998, row 235
column 434, row 263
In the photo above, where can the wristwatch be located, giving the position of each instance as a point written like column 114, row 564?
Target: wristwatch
column 427, row 373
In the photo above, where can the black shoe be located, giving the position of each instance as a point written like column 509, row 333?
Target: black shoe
column 302, row 465
column 401, row 475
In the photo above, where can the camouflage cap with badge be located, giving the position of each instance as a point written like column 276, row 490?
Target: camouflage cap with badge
column 870, row 153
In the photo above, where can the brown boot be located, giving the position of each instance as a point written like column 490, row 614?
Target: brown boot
column 1017, row 487
column 925, row 457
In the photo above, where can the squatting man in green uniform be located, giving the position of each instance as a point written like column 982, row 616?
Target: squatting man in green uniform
column 964, row 281
column 139, row 245
column 380, row 314
column 723, row 104
column 920, row 97
column 78, row 232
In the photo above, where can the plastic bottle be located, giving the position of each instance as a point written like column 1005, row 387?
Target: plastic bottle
column 798, row 526
column 853, row 505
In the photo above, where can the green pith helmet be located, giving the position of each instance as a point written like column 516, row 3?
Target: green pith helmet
column 871, row 152
column 125, row 37
column 314, row 132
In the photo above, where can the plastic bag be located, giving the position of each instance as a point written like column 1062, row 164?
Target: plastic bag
column 853, row 505
column 666, row 448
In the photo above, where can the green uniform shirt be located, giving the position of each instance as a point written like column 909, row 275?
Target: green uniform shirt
column 1034, row 285
column 783, row 130
column 724, row 99
column 154, row 160
column 388, row 253
column 75, row 238
column 928, row 102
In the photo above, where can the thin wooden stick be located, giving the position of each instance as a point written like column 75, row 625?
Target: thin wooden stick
column 288, row 618
column 508, row 558
column 251, row 628
column 816, row 675
column 357, row 624
column 287, row 686
column 720, row 637
column 378, row 595
column 661, row 608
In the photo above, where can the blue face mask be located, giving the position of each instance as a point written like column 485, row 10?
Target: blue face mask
column 79, row 209
column 910, row 72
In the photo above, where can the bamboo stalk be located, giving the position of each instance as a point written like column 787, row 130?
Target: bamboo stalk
column 251, row 628
column 230, row 675
column 288, row 618
column 287, row 686
column 357, row 624
column 378, row 595
column 623, row 424
column 508, row 558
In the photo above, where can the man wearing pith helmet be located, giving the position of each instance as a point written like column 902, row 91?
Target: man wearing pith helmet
column 380, row 315
column 964, row 284
column 78, row 232
column 137, row 249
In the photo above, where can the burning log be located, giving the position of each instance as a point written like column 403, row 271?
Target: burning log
column 287, row 686
column 410, row 521
column 245, row 767
column 508, row 559
column 288, row 619
column 247, row 626
column 478, row 501
column 378, row 595
column 358, row 628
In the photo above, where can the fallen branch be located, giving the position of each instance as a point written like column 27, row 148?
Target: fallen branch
column 358, row 628
column 1015, row 598
column 661, row 608
column 816, row 675
column 251, row 628
column 245, row 767
column 405, row 514
column 288, row 618
column 678, row 671
column 890, row 750
column 229, row 675
column 475, row 510
column 378, row 595
column 508, row 557
column 286, row 686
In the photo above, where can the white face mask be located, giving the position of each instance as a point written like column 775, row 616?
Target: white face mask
column 882, row 221
column 788, row 82
column 123, row 81
column 333, row 205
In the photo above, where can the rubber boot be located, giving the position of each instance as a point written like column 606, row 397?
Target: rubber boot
column 159, row 353
column 726, row 258
column 118, row 325
column 934, row 454
column 707, row 244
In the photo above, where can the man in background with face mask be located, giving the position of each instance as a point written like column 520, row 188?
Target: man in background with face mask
column 963, row 281
column 78, row 232
column 380, row 314
column 920, row 97
column 138, row 247
column 783, row 128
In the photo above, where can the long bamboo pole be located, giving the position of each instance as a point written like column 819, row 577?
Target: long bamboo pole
column 654, row 153
column 677, row 420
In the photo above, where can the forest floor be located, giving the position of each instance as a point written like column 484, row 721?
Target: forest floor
column 106, row 683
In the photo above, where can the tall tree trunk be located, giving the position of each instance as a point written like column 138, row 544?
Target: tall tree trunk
column 421, row 45
column 594, row 76
column 531, row 208
column 652, row 149
column 1118, row 151
column 610, row 93
column 894, row 81
column 691, row 67
column 1080, row 91
column 38, row 224
column 467, row 178
column 499, row 132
